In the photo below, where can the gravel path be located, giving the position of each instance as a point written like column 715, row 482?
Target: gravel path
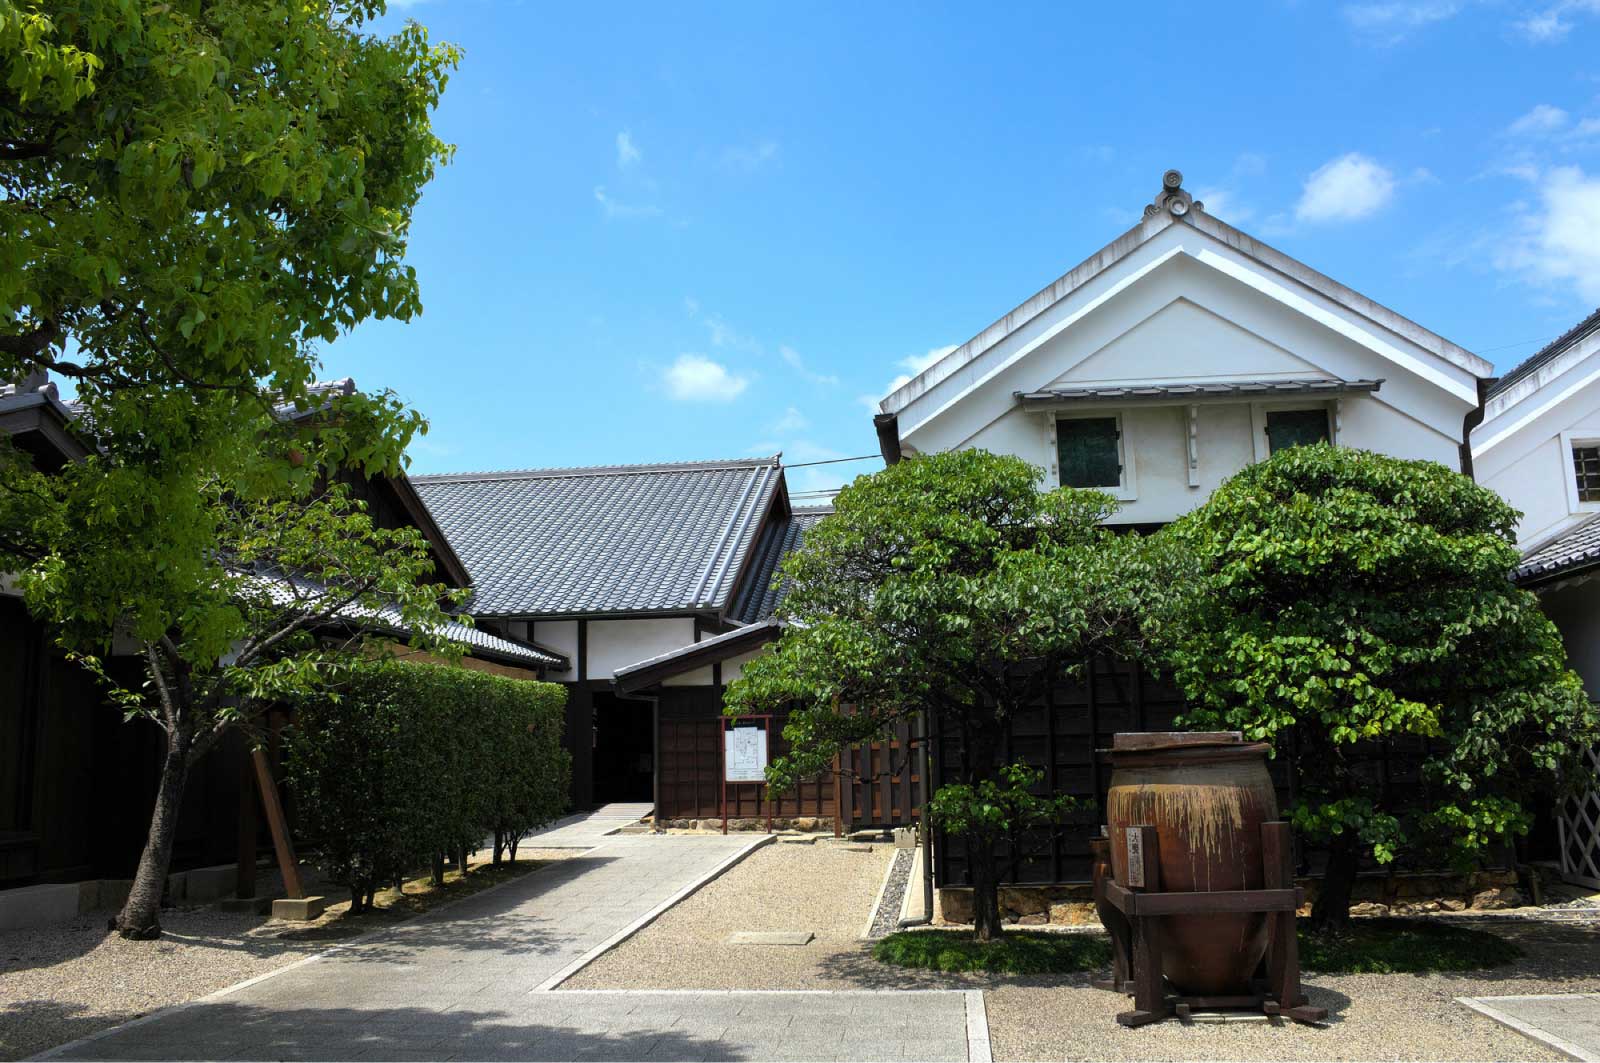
column 887, row 917
column 66, row 980
column 821, row 888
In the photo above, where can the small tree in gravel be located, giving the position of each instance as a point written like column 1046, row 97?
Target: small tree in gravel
column 1339, row 598
column 947, row 585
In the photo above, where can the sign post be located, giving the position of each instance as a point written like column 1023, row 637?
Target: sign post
column 746, row 749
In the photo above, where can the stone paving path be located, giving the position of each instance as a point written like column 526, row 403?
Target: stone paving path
column 472, row 980
column 1566, row 1022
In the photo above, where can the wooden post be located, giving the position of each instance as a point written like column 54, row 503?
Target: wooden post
column 276, row 823
column 245, row 875
column 1144, row 876
column 1283, row 950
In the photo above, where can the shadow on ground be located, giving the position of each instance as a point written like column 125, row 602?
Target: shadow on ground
column 226, row 1030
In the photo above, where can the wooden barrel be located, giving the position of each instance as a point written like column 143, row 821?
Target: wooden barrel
column 1207, row 796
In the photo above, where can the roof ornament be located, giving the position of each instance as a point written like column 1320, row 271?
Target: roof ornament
column 1172, row 199
column 29, row 382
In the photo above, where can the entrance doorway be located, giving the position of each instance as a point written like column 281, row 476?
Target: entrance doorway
column 624, row 750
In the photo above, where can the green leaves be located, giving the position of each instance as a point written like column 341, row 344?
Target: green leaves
column 1339, row 598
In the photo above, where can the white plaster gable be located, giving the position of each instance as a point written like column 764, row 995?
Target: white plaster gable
column 1176, row 317
column 1288, row 314
column 1186, row 342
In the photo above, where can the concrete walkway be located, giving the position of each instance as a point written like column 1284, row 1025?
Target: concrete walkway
column 472, row 981
column 1566, row 1022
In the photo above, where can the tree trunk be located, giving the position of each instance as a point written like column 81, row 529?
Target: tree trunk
column 140, row 918
column 438, row 869
column 986, row 924
column 1331, row 910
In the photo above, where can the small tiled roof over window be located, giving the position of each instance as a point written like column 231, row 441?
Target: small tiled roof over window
column 604, row 540
column 758, row 598
column 1568, row 552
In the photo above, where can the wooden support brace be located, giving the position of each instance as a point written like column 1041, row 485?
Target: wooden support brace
column 278, row 825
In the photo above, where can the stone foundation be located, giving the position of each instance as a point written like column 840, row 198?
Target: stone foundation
column 803, row 824
column 1073, row 905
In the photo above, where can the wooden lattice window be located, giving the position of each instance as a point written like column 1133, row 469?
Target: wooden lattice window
column 1586, row 467
column 1090, row 451
column 1295, row 428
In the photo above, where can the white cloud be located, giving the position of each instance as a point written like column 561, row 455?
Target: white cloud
column 616, row 209
column 791, row 421
column 914, row 365
column 696, row 378
column 1348, row 188
column 1560, row 239
column 792, row 359
column 750, row 156
column 627, row 152
column 1541, row 120
column 1555, row 22
column 1223, row 204
column 1393, row 21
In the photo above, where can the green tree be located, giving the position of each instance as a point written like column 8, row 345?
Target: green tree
column 300, row 586
column 191, row 196
column 1337, row 598
column 947, row 585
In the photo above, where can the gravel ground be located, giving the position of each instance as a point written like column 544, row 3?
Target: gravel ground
column 827, row 891
column 820, row 888
column 1371, row 1017
column 69, row 979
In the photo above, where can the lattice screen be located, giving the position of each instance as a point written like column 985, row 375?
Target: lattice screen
column 1579, row 824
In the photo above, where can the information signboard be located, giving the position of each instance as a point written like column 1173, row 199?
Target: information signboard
column 746, row 759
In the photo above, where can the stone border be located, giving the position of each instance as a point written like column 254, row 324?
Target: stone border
column 979, row 1047
column 1484, row 1007
column 647, row 918
column 217, row 994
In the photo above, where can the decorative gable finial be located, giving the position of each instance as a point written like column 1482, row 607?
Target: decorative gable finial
column 1172, row 198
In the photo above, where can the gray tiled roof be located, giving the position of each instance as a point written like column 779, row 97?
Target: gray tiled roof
column 479, row 643
column 604, row 540
column 1550, row 351
column 758, row 599
column 1574, row 549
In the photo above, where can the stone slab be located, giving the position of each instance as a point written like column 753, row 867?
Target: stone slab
column 856, row 848
column 772, row 937
column 299, row 909
column 1569, row 1023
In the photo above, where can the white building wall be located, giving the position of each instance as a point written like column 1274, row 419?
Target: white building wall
column 1531, row 465
column 616, row 644
column 1184, row 321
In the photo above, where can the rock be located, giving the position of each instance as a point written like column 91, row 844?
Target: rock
column 1073, row 913
column 1025, row 900
column 1033, row 920
column 1453, row 904
column 1369, row 908
column 955, row 905
column 1497, row 898
column 804, row 823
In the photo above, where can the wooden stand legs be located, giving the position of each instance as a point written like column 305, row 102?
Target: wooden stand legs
column 1142, row 907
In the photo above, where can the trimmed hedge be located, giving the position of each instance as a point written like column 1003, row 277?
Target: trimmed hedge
column 404, row 764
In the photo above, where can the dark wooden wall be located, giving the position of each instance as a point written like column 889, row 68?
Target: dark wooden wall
column 77, row 784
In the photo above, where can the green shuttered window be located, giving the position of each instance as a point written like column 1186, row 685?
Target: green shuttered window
column 1089, row 452
column 1295, row 428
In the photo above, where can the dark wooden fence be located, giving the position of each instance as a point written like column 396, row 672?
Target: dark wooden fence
column 1063, row 735
column 878, row 784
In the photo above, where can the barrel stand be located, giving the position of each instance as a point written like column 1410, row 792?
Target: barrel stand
column 1276, row 990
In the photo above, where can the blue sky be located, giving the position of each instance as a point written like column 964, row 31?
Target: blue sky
column 707, row 231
